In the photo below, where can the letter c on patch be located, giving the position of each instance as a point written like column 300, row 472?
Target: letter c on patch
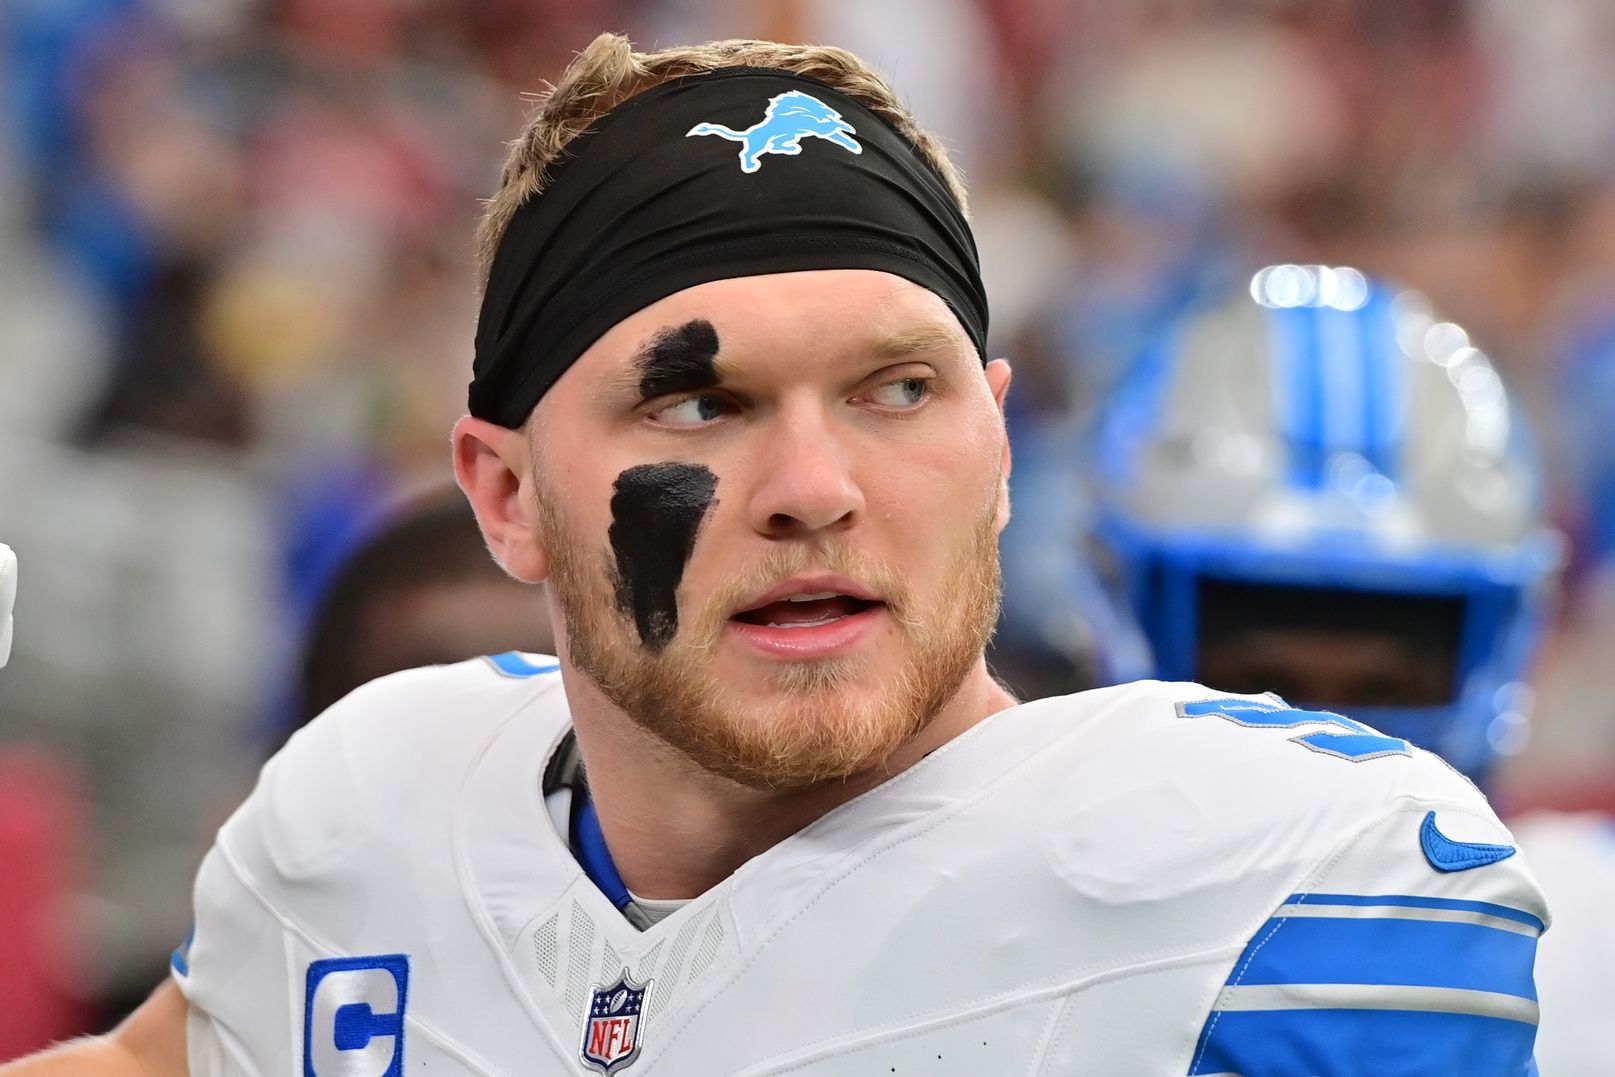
column 353, row 1016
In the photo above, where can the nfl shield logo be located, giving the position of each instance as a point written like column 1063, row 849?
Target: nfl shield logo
column 611, row 1033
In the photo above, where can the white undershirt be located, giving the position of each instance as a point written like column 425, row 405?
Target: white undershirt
column 655, row 911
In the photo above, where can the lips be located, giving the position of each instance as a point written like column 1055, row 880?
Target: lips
column 808, row 603
column 807, row 611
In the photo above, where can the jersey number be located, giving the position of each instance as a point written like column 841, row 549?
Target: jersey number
column 1348, row 740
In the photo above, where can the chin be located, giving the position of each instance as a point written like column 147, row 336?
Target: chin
column 817, row 678
column 822, row 723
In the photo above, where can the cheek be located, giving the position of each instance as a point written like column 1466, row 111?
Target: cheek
column 937, row 486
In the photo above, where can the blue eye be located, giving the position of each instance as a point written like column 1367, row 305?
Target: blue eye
column 904, row 393
column 692, row 410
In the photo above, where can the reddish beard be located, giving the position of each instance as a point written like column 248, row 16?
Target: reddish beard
column 825, row 719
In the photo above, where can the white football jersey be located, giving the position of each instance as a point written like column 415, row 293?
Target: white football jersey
column 1573, row 855
column 1148, row 879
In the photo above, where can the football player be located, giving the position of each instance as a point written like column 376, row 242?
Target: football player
column 767, row 811
column 417, row 589
column 1320, row 489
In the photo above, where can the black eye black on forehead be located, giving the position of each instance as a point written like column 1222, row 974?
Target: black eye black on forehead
column 679, row 359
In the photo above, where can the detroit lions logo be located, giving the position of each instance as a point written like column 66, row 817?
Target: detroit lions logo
column 789, row 119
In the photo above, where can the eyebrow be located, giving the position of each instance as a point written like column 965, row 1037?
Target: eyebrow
column 675, row 358
column 678, row 359
column 912, row 341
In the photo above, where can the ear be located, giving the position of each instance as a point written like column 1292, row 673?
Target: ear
column 999, row 375
column 494, row 466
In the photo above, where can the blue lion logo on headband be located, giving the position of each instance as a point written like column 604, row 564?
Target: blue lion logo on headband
column 789, row 119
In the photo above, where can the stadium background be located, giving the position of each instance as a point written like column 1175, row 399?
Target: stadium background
column 236, row 303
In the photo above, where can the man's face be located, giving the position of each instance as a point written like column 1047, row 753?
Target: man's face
column 771, row 507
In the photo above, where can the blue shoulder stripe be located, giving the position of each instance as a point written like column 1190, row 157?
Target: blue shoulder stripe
column 516, row 664
column 1414, row 901
column 1391, row 950
column 180, row 959
column 1363, row 1043
column 1340, row 985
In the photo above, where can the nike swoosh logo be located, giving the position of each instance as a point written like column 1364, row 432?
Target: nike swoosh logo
column 1445, row 854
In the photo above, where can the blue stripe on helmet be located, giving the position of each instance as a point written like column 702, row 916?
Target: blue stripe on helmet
column 1386, row 391
column 1340, row 378
column 1298, row 396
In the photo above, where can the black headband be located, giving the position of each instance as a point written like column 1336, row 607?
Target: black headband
column 734, row 173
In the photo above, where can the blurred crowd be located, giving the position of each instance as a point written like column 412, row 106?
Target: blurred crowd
column 237, row 302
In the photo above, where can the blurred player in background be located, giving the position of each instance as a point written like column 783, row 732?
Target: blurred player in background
column 1319, row 489
column 768, row 811
column 419, row 590
column 415, row 587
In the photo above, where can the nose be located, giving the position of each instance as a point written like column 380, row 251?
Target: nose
column 805, row 478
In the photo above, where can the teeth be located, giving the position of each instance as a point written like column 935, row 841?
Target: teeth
column 812, row 598
column 803, row 624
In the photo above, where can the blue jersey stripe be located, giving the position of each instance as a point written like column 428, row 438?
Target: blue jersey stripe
column 1362, row 1043
column 1413, row 901
column 180, row 959
column 516, row 664
column 1382, row 950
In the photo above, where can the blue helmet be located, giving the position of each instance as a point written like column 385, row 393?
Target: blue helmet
column 1323, row 453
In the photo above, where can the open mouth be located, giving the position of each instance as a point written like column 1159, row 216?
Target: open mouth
column 806, row 610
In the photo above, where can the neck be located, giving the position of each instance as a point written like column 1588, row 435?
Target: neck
column 676, row 830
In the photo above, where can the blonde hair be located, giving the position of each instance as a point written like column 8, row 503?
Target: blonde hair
column 608, row 72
